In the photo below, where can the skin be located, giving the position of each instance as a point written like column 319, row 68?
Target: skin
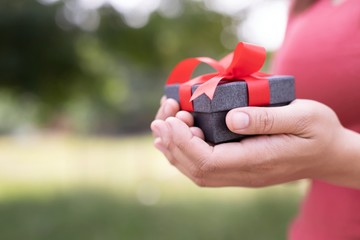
column 302, row 140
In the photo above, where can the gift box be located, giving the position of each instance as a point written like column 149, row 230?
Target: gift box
column 209, row 114
column 237, row 83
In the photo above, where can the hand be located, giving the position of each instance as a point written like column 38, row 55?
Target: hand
column 302, row 140
column 170, row 108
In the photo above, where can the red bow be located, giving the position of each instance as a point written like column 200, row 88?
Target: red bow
column 243, row 64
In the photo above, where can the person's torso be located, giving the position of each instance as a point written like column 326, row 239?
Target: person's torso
column 322, row 51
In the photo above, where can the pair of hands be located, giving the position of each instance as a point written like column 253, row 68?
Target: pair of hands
column 302, row 140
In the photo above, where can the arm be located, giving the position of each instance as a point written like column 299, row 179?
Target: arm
column 302, row 140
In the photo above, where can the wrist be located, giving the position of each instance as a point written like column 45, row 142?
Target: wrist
column 345, row 160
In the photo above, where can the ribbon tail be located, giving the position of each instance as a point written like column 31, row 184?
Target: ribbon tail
column 185, row 91
column 208, row 88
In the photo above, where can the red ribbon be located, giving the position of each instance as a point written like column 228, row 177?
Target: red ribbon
column 241, row 65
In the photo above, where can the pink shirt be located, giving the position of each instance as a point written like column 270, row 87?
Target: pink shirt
column 322, row 51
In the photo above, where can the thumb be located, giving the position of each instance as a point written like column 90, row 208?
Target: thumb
column 264, row 120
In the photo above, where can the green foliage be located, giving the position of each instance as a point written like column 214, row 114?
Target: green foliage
column 37, row 57
column 116, row 70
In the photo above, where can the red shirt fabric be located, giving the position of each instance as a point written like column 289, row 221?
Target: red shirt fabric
column 322, row 50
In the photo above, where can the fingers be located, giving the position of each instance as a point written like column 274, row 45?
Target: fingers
column 183, row 139
column 180, row 141
column 172, row 152
column 188, row 153
column 197, row 132
column 169, row 108
column 162, row 100
column 186, row 117
column 270, row 120
column 160, row 145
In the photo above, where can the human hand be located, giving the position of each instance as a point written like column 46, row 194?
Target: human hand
column 170, row 108
column 302, row 140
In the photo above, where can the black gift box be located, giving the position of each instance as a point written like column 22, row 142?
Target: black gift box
column 209, row 115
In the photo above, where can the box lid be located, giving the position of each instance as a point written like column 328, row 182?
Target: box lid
column 229, row 95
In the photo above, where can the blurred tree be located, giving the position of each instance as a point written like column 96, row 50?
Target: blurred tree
column 110, row 78
column 37, row 57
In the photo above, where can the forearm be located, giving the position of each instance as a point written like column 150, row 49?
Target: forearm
column 348, row 155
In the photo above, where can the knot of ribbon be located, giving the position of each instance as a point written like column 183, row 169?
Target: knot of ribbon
column 241, row 65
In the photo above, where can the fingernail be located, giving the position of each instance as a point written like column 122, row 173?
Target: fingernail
column 240, row 120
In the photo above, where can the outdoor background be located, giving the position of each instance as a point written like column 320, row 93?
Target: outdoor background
column 80, row 82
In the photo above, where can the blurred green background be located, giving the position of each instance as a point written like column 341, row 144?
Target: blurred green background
column 80, row 82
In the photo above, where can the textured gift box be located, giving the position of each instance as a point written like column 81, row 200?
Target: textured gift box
column 209, row 115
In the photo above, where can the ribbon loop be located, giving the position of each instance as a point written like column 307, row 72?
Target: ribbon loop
column 241, row 65
column 248, row 59
column 183, row 70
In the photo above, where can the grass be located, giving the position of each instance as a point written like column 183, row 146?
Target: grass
column 92, row 188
